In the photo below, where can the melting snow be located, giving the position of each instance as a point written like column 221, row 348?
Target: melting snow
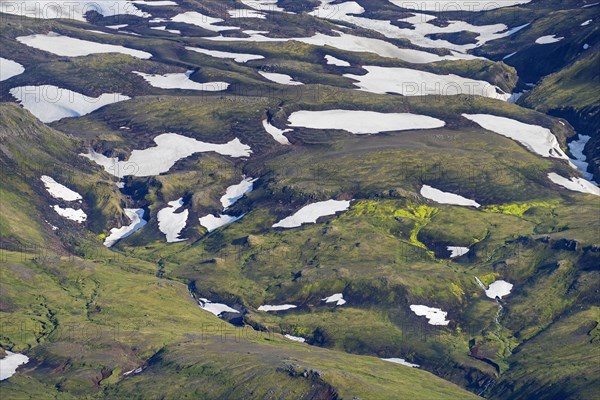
column 434, row 315
column 548, row 39
column 10, row 363
column 276, row 308
column 276, row 133
column 280, row 78
column 312, row 212
column 181, row 81
column 586, row 22
column 171, row 223
column 576, row 148
column 574, row 184
column 235, row 192
column 457, row 251
column 9, row 68
column 499, row 289
column 535, row 138
column 72, row 47
column 136, row 216
column 59, row 191
column 362, row 122
column 401, row 361
column 211, row 222
column 69, row 213
column 446, row 198
column 164, row 28
column 50, row 103
column 337, row 298
column 295, row 338
column 215, row 308
column 411, row 82
column 237, row 57
column 171, row 147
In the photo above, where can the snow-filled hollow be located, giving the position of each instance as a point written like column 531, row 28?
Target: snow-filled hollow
column 9, row 68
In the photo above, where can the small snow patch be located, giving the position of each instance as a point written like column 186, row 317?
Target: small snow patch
column 548, row 39
column 434, row 315
column 441, row 197
column 10, row 363
column 136, row 216
column 295, row 338
column 59, row 191
column 401, row 361
column 457, row 251
column 78, row 216
column 235, row 192
column 172, row 223
column 215, row 308
column 499, row 289
column 9, row 68
column 310, row 213
column 362, row 122
column 331, row 60
column 181, row 81
column 337, row 298
column 574, row 184
column 281, row 307
column 212, row 222
column 276, row 133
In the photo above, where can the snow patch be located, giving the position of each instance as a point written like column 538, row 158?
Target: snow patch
column 548, row 39
column 295, row 338
column 171, row 147
column 331, row 60
column 181, row 81
column 9, row 68
column 51, row 103
column 10, row 363
column 535, row 138
column 282, row 307
column 462, row 5
column 212, row 222
column 59, row 191
column 498, row 289
column 401, row 361
column 276, row 133
column 78, row 216
column 434, row 315
column 411, row 82
column 337, row 298
column 574, row 184
column 235, row 192
column 310, row 213
column 136, row 216
column 457, row 251
column 172, row 223
column 215, row 308
column 237, row 57
column 446, row 198
column 72, row 47
column 280, row 78
column 203, row 21
column 362, row 122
